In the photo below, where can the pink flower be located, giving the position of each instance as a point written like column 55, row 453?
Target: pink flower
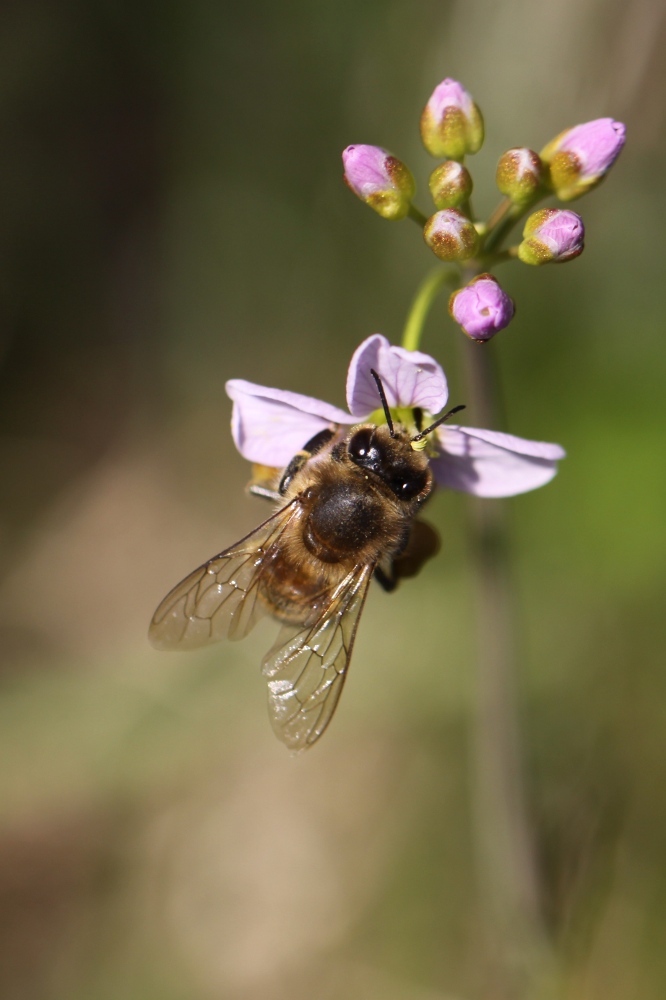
column 552, row 235
column 270, row 425
column 519, row 174
column 482, row 308
column 450, row 235
column 450, row 184
column 451, row 123
column 380, row 180
column 580, row 157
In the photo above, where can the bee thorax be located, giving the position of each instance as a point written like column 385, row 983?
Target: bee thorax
column 344, row 521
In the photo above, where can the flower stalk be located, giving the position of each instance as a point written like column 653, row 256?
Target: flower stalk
column 428, row 290
column 417, row 216
column 500, row 224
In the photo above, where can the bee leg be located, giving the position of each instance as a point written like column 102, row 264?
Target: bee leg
column 262, row 491
column 386, row 580
column 264, row 481
column 423, row 543
column 314, row 445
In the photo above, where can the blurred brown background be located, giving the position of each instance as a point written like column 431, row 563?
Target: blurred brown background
column 173, row 215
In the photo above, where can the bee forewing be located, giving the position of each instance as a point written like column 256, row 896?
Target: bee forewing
column 219, row 599
column 307, row 666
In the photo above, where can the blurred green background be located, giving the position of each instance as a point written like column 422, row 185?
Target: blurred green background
column 173, row 215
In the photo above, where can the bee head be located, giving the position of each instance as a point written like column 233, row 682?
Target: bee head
column 387, row 453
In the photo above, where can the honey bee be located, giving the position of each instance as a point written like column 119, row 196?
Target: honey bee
column 347, row 511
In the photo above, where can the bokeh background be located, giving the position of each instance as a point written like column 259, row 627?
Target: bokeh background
column 173, row 215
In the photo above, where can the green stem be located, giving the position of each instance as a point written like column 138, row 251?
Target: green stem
column 504, row 218
column 499, row 257
column 428, row 291
column 499, row 213
column 502, row 228
column 419, row 218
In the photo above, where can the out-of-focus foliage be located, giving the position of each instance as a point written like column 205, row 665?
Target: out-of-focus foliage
column 173, row 215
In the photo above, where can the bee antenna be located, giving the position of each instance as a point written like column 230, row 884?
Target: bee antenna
column 440, row 420
column 382, row 396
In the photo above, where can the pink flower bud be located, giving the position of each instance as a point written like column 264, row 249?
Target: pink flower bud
column 450, row 184
column 552, row 235
column 482, row 308
column 519, row 174
column 580, row 157
column 380, row 180
column 451, row 123
column 450, row 235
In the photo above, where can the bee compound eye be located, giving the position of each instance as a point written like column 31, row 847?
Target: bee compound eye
column 407, row 489
column 359, row 445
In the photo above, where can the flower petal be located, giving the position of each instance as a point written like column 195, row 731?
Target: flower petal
column 410, row 378
column 379, row 179
column 492, row 464
column 597, row 144
column 270, row 425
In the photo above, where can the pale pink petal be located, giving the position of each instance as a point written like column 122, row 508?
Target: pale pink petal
column 597, row 144
column 492, row 464
column 365, row 169
column 270, row 425
column 450, row 94
column 410, row 378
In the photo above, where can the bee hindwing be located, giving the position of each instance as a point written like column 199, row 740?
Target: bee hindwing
column 307, row 666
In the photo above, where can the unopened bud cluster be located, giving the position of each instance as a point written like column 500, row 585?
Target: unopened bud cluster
column 452, row 128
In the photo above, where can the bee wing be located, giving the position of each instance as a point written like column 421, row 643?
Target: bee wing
column 307, row 666
column 219, row 599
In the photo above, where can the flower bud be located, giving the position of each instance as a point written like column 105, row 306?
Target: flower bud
column 380, row 180
column 450, row 235
column 580, row 157
column 482, row 308
column 451, row 123
column 450, row 184
column 519, row 174
column 552, row 235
